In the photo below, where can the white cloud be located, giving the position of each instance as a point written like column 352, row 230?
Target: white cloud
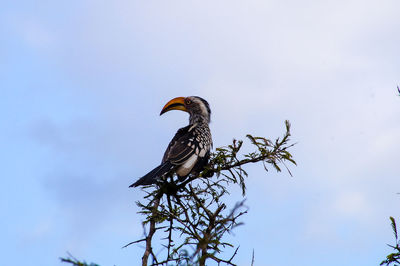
column 32, row 30
column 352, row 204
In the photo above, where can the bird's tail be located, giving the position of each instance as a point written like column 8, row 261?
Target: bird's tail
column 154, row 175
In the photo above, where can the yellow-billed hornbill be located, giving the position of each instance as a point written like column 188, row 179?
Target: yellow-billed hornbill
column 189, row 151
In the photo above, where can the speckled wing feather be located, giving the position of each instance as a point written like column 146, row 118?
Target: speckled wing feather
column 180, row 148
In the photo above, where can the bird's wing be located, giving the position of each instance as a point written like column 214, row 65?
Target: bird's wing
column 181, row 146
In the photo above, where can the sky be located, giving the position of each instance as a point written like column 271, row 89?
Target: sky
column 83, row 82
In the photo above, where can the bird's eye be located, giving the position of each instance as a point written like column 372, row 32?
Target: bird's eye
column 188, row 101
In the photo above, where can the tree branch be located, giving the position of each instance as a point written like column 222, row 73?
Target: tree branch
column 195, row 216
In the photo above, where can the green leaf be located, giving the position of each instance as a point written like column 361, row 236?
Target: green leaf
column 394, row 227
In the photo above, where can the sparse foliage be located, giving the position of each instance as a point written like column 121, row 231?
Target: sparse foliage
column 75, row 262
column 395, row 256
column 192, row 215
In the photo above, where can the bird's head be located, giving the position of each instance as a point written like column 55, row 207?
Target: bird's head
column 197, row 107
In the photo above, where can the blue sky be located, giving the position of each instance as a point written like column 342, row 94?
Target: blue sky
column 83, row 83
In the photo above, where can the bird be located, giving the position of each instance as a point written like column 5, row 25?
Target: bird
column 189, row 150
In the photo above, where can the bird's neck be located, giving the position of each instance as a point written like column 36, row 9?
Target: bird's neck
column 198, row 119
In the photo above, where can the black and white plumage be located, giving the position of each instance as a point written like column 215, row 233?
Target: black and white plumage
column 189, row 150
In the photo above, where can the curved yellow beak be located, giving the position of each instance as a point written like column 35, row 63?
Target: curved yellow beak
column 177, row 103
